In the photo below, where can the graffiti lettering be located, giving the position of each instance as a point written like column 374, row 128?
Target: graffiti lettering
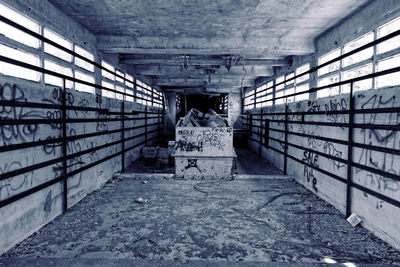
column 183, row 145
column 10, row 134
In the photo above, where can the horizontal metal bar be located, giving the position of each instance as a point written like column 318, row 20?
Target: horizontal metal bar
column 376, row 171
column 333, row 112
column 376, row 194
column 106, row 158
column 319, row 153
column 338, row 141
column 382, row 39
column 333, row 124
column 69, row 138
column 35, row 189
column 378, row 148
column 44, row 39
column 28, row 192
column 59, row 121
column 54, row 161
column 334, row 176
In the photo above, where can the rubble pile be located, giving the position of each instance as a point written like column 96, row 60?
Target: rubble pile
column 196, row 118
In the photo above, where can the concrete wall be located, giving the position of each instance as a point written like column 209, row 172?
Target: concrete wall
column 23, row 217
column 378, row 216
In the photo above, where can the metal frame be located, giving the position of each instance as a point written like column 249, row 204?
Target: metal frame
column 350, row 112
column 122, row 116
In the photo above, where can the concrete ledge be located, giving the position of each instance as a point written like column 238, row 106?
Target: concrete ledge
column 145, row 175
column 172, row 176
column 262, row 176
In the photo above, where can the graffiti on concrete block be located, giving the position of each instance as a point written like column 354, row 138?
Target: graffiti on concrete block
column 182, row 145
column 192, row 163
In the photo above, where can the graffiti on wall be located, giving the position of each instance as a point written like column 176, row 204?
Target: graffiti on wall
column 19, row 133
column 384, row 138
column 312, row 160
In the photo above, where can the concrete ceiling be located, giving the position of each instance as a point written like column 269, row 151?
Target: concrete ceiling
column 189, row 43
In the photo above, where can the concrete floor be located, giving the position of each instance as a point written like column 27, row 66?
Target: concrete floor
column 249, row 220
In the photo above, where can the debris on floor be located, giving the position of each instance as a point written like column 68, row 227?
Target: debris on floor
column 354, row 219
column 142, row 200
column 252, row 220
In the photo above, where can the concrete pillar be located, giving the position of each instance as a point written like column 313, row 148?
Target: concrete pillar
column 234, row 109
column 170, row 115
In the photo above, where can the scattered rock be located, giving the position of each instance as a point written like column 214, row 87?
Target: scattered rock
column 142, row 200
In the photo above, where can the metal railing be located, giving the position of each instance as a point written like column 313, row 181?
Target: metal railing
column 64, row 121
column 259, row 124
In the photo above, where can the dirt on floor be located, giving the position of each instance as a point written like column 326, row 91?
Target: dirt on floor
column 265, row 220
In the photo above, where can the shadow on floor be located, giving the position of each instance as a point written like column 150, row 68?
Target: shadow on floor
column 247, row 163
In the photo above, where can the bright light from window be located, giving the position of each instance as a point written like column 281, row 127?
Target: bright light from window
column 328, row 57
column 107, row 74
column 119, row 89
column 357, row 72
column 120, row 74
column 16, row 71
column 83, row 87
column 105, row 92
column 129, row 96
column 54, row 80
column 279, row 80
column 82, row 63
column 52, row 50
column 16, row 34
column 302, row 88
column 289, row 76
column 359, row 56
column 389, row 79
column 129, row 80
column 328, row 91
column 300, row 70
column 387, row 29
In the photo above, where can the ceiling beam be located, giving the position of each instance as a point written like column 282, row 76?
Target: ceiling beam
column 179, row 61
column 200, row 82
column 204, row 90
column 205, row 77
column 247, row 47
column 249, row 70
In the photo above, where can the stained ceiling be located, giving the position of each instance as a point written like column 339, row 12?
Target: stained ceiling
column 203, row 45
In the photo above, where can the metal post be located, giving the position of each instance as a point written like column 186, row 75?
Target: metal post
column 260, row 133
column 286, row 141
column 251, row 125
column 266, row 134
column 145, row 125
column 350, row 153
column 158, row 126
column 123, row 135
column 64, row 147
